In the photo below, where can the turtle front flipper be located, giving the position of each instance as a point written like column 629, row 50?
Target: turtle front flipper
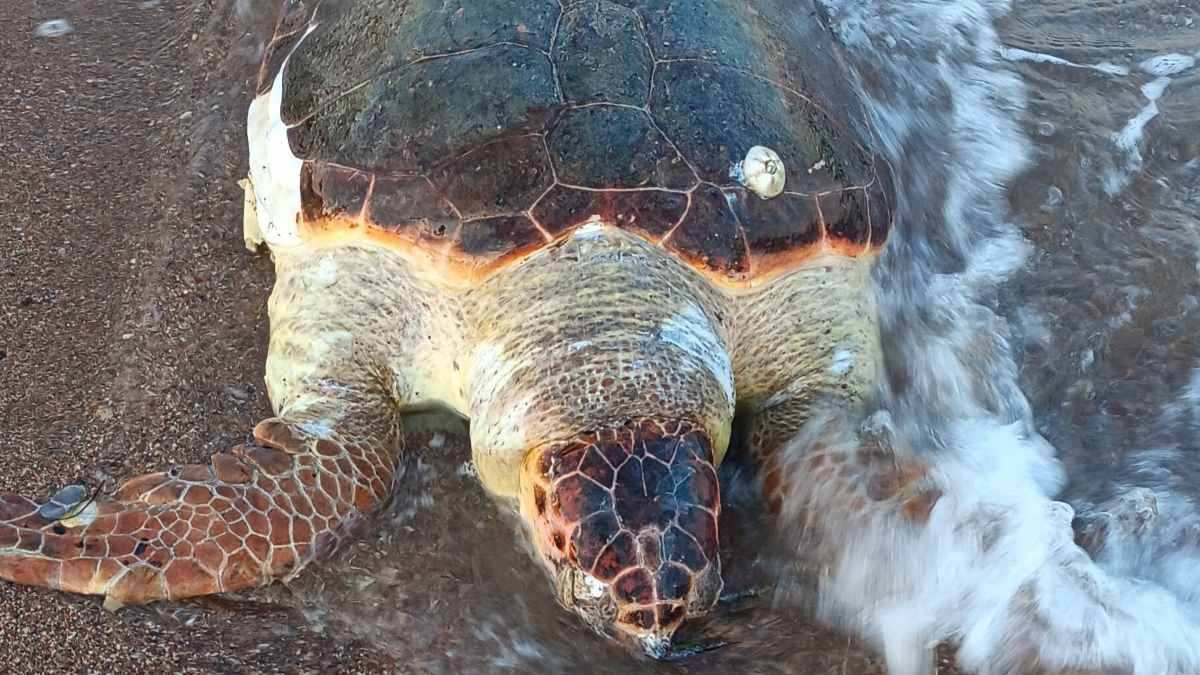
column 627, row 519
column 258, row 513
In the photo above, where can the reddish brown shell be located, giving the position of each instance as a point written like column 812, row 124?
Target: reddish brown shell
column 477, row 133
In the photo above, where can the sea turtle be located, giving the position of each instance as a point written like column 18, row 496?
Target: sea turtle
column 595, row 228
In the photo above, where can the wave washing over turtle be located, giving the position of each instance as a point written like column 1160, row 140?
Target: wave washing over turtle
column 597, row 229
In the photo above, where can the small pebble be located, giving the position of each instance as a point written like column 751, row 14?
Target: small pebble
column 1054, row 197
column 62, row 502
column 54, row 28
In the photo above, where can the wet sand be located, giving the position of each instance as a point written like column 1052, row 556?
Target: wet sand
column 132, row 321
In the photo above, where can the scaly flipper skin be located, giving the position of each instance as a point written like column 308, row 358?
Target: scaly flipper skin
column 258, row 513
column 832, row 485
column 263, row 511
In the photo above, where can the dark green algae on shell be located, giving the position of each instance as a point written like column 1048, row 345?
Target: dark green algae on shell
column 488, row 128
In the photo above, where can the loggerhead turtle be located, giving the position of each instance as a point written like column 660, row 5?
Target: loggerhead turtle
column 595, row 228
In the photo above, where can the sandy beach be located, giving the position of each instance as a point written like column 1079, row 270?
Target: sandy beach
column 132, row 320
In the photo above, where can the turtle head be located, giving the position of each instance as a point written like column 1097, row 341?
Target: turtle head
column 626, row 521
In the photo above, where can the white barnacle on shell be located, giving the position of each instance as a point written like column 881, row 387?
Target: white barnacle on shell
column 762, row 171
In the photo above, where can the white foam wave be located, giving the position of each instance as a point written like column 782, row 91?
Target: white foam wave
column 1015, row 54
column 1167, row 64
column 1126, row 140
column 995, row 569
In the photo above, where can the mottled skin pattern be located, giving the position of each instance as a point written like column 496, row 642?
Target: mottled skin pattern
column 256, row 513
column 527, row 212
column 634, row 507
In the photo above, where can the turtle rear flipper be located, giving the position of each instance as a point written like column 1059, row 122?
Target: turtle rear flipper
column 258, row 513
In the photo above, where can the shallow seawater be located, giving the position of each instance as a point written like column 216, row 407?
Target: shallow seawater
column 1040, row 300
column 1039, row 305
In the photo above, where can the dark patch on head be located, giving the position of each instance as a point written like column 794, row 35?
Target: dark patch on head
column 616, row 453
column 640, row 618
column 639, row 501
column 568, row 460
column 673, row 582
column 663, row 448
column 701, row 525
column 596, row 467
column 650, row 544
column 616, row 557
column 539, row 499
column 883, row 485
column 681, row 548
column 560, row 542
column 578, row 497
column 657, row 478
column 635, row 586
column 29, row 540
column 698, row 484
column 327, row 448
column 669, row 615
column 271, row 461
column 592, row 535
column 698, row 446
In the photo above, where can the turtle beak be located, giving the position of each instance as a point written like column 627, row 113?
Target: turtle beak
column 593, row 601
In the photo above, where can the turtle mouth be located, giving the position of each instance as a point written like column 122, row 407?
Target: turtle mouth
column 593, row 601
